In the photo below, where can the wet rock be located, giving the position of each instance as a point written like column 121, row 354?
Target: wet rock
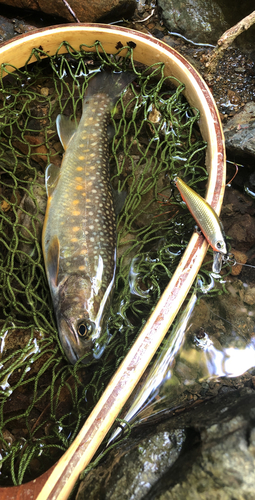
column 11, row 27
column 85, row 11
column 225, row 469
column 240, row 131
column 133, row 474
column 200, row 21
column 219, row 464
column 238, row 218
column 242, row 232
column 213, row 458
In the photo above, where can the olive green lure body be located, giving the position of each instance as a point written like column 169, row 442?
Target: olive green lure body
column 204, row 215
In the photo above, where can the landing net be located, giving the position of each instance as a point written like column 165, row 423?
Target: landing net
column 43, row 399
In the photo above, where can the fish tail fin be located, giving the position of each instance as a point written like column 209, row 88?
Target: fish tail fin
column 111, row 84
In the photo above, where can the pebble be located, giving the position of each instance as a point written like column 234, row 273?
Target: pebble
column 44, row 91
column 240, row 258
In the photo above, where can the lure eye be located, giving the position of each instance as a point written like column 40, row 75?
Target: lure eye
column 219, row 245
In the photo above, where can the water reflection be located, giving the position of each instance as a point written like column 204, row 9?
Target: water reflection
column 203, row 345
column 32, row 348
column 161, row 369
column 228, row 362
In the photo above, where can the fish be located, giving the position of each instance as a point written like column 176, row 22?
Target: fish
column 206, row 218
column 79, row 230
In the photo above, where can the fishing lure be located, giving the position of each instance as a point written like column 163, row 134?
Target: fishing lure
column 207, row 220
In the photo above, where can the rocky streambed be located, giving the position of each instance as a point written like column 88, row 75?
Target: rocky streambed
column 200, row 442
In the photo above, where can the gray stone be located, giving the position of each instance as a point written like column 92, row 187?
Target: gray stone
column 212, row 460
column 12, row 27
column 240, row 131
column 86, row 11
column 136, row 471
column 225, row 469
column 198, row 20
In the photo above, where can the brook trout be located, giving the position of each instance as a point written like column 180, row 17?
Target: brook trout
column 79, row 232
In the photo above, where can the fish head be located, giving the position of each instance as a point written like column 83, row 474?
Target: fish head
column 76, row 337
column 81, row 321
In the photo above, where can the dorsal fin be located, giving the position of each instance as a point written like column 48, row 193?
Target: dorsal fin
column 52, row 261
column 65, row 129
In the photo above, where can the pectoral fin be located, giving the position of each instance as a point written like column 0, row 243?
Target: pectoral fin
column 65, row 129
column 52, row 261
column 51, row 178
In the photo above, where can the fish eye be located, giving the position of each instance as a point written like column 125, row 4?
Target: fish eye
column 84, row 328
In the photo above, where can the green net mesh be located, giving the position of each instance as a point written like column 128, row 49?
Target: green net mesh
column 43, row 399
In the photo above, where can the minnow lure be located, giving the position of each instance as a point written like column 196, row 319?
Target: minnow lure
column 207, row 220
column 79, row 232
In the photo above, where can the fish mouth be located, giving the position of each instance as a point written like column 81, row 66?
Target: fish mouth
column 74, row 347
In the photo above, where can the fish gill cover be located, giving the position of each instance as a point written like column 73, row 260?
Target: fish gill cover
column 44, row 399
